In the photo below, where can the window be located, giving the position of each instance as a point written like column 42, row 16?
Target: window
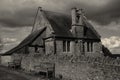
column 89, row 46
column 66, row 46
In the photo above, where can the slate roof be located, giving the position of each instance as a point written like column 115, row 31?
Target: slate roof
column 26, row 41
column 61, row 24
column 91, row 32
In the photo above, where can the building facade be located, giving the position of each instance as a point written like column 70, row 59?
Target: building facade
column 56, row 34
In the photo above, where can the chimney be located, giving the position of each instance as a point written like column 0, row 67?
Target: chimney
column 80, row 17
column 77, row 28
column 74, row 14
column 77, row 16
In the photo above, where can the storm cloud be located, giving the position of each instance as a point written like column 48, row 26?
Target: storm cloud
column 21, row 13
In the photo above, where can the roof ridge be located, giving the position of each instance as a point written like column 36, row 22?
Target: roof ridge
column 57, row 12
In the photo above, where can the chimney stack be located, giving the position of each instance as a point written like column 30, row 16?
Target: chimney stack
column 80, row 19
column 77, row 15
column 74, row 14
column 77, row 22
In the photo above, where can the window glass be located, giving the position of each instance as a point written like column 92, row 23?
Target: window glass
column 66, row 46
column 88, row 49
column 91, row 46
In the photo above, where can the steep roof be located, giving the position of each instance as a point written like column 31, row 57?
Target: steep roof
column 26, row 41
column 90, row 32
column 61, row 23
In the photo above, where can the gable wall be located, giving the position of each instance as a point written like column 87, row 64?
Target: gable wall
column 39, row 41
column 42, row 21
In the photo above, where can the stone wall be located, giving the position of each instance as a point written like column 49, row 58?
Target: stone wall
column 72, row 71
column 87, row 71
column 59, row 48
column 29, row 60
column 6, row 59
column 77, row 68
column 97, row 47
column 88, row 68
column 49, row 46
column 97, row 50
column 76, row 48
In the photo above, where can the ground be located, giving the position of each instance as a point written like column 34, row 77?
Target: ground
column 6, row 74
column 11, row 74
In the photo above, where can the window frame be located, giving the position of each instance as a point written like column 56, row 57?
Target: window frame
column 89, row 46
column 66, row 46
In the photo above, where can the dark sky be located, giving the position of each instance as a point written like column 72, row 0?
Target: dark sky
column 22, row 12
column 17, row 16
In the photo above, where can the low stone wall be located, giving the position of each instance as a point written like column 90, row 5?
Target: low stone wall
column 77, row 68
column 87, row 68
column 30, row 61
column 5, row 60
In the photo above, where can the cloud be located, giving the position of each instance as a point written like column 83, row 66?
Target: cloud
column 9, row 40
column 21, row 13
column 11, row 37
column 113, row 43
column 111, row 29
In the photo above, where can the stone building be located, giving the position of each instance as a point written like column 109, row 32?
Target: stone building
column 57, row 34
